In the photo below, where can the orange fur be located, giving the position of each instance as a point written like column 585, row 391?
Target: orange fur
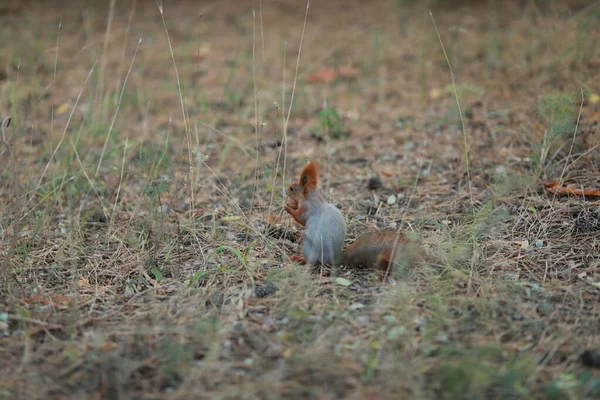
column 298, row 259
column 294, row 194
column 379, row 249
column 295, row 213
column 308, row 177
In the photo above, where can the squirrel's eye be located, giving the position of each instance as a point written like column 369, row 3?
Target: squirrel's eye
column 291, row 188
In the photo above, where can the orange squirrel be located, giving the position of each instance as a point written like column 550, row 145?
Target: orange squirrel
column 307, row 206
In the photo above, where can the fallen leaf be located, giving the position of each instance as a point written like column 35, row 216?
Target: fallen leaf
column 109, row 345
column 329, row 75
column 83, row 282
column 435, row 93
column 273, row 218
column 58, row 301
column 201, row 53
column 342, row 281
column 524, row 346
column 348, row 72
column 457, row 273
column 61, row 109
column 396, row 332
column 555, row 187
column 594, row 98
column 324, row 76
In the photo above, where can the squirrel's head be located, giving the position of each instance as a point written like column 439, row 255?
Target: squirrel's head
column 295, row 190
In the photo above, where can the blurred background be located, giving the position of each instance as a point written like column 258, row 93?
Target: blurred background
column 142, row 240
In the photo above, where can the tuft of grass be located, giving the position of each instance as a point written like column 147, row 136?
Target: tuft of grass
column 559, row 113
column 233, row 95
column 493, row 50
column 402, row 8
column 462, row 248
column 330, row 124
column 585, row 41
column 482, row 372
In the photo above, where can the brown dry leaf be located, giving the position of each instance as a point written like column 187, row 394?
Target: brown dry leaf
column 323, row 76
column 83, row 283
column 202, row 52
column 107, row 346
column 348, row 72
column 62, row 108
column 57, row 300
column 387, row 173
column 435, row 93
column 555, row 187
column 197, row 212
column 273, row 218
column 329, row 75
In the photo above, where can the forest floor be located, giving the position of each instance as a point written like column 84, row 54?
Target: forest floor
column 144, row 250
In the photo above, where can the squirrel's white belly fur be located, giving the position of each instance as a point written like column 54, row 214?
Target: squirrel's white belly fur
column 324, row 236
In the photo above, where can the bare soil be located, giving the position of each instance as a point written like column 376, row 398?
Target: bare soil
column 144, row 250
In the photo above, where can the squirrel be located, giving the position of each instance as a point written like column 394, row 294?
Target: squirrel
column 325, row 228
column 380, row 250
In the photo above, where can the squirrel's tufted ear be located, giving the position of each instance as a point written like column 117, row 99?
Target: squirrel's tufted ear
column 308, row 177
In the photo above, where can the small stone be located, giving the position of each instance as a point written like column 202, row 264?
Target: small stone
column 396, row 332
column 591, row 358
column 389, row 318
column 217, row 299
column 409, row 146
column 545, row 308
column 268, row 289
column 244, row 203
column 442, row 339
column 420, row 323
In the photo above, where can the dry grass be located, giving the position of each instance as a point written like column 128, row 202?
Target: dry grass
column 144, row 252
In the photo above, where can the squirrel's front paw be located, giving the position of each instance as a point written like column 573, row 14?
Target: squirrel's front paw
column 291, row 203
